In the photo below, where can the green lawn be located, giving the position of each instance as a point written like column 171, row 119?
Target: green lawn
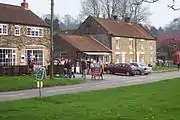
column 157, row 101
column 28, row 82
column 159, row 68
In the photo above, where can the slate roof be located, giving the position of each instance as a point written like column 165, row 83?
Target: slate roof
column 17, row 15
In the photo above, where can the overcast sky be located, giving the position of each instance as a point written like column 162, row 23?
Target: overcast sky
column 161, row 14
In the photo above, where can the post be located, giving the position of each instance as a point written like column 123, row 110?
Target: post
column 135, row 50
column 51, row 34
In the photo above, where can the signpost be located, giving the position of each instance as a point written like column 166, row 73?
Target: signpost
column 41, row 74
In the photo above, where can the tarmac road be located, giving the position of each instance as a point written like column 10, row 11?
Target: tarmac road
column 110, row 81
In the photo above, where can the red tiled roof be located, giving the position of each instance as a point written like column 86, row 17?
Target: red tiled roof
column 84, row 43
column 18, row 15
column 124, row 29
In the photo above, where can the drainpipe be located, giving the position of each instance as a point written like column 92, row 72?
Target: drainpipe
column 135, row 50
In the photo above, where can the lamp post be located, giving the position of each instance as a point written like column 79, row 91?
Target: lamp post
column 51, row 40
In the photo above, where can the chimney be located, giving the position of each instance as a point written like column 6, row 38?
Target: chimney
column 24, row 4
column 127, row 19
column 115, row 17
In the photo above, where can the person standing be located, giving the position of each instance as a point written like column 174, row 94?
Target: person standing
column 84, row 67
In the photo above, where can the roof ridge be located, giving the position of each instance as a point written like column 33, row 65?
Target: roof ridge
column 99, row 42
column 11, row 5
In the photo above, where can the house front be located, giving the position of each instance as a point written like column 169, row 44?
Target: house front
column 24, row 36
column 129, row 42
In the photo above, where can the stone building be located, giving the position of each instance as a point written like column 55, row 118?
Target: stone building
column 23, row 36
column 128, row 42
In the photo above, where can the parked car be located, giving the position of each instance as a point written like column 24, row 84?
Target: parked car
column 124, row 68
column 142, row 69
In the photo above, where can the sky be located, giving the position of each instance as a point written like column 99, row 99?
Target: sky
column 161, row 14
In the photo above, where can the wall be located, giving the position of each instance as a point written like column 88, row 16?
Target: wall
column 134, row 52
column 62, row 46
column 91, row 27
column 23, row 41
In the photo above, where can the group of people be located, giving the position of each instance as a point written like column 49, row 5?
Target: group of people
column 86, row 67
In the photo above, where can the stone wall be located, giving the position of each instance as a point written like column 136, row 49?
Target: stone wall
column 22, row 41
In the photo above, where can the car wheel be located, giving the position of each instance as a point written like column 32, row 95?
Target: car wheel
column 128, row 74
column 139, row 72
column 108, row 72
column 145, row 73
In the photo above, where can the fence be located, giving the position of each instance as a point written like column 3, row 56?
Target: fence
column 58, row 69
column 21, row 70
column 13, row 70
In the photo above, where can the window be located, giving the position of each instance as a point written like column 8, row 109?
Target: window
column 7, row 57
column 17, row 30
column 106, row 59
column 142, row 45
column 117, row 44
column 36, row 56
column 34, row 32
column 118, row 58
column 130, row 43
column 3, row 29
column 141, row 59
column 151, row 46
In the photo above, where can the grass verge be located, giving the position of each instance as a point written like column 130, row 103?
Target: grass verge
column 156, row 101
column 165, row 69
column 29, row 82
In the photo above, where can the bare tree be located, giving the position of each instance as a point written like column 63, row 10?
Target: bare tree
column 109, row 7
column 90, row 7
column 122, row 8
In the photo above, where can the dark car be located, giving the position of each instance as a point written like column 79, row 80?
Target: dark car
column 124, row 68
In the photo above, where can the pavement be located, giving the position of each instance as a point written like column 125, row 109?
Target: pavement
column 110, row 81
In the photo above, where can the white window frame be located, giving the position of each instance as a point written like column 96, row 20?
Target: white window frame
column 43, row 63
column 34, row 31
column 17, row 30
column 142, row 45
column 118, row 56
column 130, row 43
column 151, row 46
column 1, row 27
column 117, row 43
column 14, row 55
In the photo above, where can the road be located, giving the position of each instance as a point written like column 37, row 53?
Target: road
column 110, row 81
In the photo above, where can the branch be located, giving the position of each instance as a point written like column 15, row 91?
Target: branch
column 172, row 7
column 147, row 1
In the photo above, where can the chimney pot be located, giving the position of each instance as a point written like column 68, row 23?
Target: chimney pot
column 115, row 17
column 24, row 4
column 127, row 19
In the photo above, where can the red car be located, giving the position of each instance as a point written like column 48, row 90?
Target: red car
column 124, row 68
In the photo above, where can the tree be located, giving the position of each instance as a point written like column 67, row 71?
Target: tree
column 122, row 8
column 90, row 7
column 69, row 22
column 47, row 19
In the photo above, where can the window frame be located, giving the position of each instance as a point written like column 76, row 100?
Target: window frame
column 35, row 31
column 2, row 29
column 130, row 43
column 12, row 58
column 118, row 43
column 15, row 30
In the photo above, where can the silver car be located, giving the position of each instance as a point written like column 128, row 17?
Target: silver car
column 142, row 69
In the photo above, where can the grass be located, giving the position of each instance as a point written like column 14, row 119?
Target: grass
column 166, row 68
column 156, row 101
column 29, row 82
